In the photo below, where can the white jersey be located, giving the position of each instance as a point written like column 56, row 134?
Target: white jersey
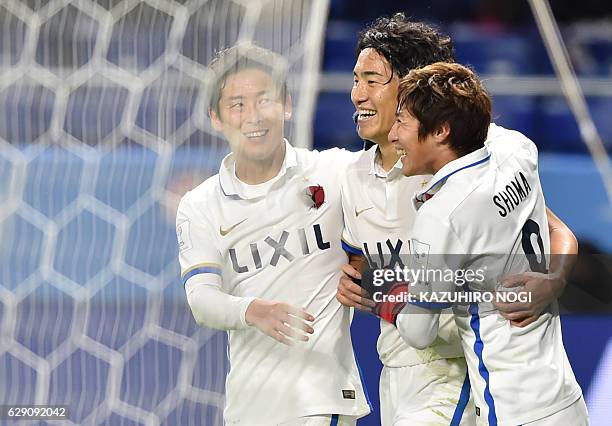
column 484, row 212
column 378, row 216
column 270, row 241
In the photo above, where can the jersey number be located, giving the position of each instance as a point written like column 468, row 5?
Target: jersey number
column 530, row 228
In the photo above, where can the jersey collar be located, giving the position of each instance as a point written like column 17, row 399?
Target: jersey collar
column 376, row 168
column 467, row 161
column 232, row 186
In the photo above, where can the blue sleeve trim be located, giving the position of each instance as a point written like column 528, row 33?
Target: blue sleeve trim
column 350, row 249
column 198, row 271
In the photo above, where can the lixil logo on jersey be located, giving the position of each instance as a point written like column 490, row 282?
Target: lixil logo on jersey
column 279, row 247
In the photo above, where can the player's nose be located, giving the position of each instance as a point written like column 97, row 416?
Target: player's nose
column 392, row 137
column 359, row 94
column 252, row 114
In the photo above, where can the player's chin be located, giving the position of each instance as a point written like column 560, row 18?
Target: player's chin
column 407, row 169
column 366, row 130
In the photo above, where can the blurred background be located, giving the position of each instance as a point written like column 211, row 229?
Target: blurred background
column 103, row 127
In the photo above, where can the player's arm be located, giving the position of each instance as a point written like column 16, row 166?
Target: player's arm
column 212, row 307
column 349, row 292
column 418, row 322
column 418, row 326
column 544, row 288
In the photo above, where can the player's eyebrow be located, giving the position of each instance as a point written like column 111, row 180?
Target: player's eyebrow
column 260, row 93
column 368, row 73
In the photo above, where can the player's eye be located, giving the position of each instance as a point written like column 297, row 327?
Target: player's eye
column 236, row 106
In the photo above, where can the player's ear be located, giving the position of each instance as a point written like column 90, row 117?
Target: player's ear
column 442, row 132
column 288, row 107
column 215, row 120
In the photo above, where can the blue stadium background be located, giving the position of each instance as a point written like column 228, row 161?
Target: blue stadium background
column 494, row 41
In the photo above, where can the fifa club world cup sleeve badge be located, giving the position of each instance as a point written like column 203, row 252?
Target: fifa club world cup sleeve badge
column 183, row 236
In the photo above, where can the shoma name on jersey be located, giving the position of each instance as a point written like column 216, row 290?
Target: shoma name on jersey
column 513, row 193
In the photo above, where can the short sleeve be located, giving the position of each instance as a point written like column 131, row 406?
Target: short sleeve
column 350, row 242
column 199, row 255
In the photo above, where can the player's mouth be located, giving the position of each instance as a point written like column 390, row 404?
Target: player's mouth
column 365, row 115
column 399, row 150
column 256, row 134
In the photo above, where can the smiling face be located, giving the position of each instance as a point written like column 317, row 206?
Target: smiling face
column 252, row 115
column 374, row 95
column 418, row 156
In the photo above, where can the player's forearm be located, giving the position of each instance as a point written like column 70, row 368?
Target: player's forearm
column 357, row 261
column 213, row 308
column 563, row 247
column 418, row 326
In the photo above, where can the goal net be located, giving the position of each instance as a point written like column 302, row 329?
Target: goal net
column 103, row 126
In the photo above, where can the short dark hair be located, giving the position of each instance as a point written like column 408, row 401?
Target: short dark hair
column 406, row 45
column 451, row 93
column 241, row 57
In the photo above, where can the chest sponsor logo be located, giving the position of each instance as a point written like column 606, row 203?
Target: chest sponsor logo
column 387, row 254
column 279, row 249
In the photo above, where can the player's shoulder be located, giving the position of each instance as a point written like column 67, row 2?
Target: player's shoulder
column 441, row 206
column 360, row 162
column 504, row 144
column 339, row 156
column 203, row 195
column 460, row 196
column 356, row 171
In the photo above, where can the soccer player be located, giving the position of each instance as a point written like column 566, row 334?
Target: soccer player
column 260, row 254
column 416, row 387
column 483, row 210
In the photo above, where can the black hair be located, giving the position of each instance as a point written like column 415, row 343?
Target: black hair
column 405, row 44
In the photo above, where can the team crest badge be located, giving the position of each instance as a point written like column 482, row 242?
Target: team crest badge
column 316, row 193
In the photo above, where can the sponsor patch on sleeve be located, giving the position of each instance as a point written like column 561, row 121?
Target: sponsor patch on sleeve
column 183, row 236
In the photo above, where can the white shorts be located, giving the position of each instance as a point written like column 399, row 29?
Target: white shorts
column 322, row 420
column 435, row 393
column 574, row 415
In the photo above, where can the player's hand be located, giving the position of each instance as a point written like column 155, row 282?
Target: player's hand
column 281, row 321
column 544, row 289
column 350, row 293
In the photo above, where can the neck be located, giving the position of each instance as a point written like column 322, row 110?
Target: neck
column 254, row 172
column 388, row 155
column 441, row 159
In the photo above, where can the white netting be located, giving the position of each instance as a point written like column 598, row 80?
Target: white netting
column 103, row 127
